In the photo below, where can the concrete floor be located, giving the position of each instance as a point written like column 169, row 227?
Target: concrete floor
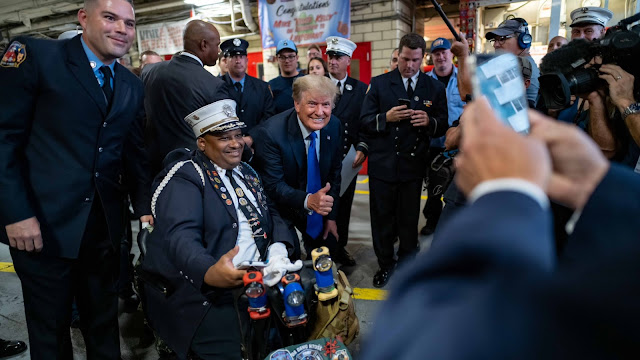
column 12, row 319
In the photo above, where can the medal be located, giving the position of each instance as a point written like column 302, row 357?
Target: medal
column 228, row 202
column 348, row 87
column 242, row 201
column 239, row 192
column 224, row 196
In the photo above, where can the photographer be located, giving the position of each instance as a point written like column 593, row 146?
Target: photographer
column 600, row 74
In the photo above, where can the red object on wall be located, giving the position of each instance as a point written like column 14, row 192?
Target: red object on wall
column 254, row 59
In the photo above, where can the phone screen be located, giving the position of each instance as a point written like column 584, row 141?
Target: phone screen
column 498, row 77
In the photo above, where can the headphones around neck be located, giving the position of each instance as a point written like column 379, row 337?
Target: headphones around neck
column 524, row 38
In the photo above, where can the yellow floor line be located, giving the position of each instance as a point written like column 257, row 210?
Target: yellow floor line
column 7, row 267
column 358, row 293
column 369, row 294
column 363, row 181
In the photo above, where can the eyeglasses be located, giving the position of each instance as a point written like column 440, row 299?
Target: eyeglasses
column 500, row 40
column 286, row 58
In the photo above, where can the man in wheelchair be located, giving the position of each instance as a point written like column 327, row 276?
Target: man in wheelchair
column 211, row 215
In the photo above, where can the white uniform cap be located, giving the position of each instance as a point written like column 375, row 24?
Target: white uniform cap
column 217, row 116
column 590, row 15
column 340, row 46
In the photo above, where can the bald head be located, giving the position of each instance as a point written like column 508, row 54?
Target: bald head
column 91, row 4
column 203, row 40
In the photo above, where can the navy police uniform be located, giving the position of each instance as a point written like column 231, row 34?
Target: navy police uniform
column 254, row 98
column 398, row 160
column 62, row 148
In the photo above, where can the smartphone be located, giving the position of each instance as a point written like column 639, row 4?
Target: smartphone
column 498, row 77
column 405, row 102
column 248, row 264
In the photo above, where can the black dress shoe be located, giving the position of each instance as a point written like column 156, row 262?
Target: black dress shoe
column 426, row 231
column 381, row 278
column 10, row 348
column 343, row 257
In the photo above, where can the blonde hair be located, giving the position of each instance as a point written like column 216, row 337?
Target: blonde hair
column 318, row 84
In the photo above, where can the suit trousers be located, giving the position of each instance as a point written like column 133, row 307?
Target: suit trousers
column 395, row 211
column 49, row 285
column 344, row 213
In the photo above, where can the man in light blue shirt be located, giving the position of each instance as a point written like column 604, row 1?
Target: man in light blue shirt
column 445, row 72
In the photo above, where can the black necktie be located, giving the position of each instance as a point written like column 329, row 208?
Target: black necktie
column 106, row 84
column 238, row 87
column 409, row 89
column 254, row 218
column 339, row 92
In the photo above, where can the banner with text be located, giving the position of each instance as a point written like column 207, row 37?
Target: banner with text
column 303, row 21
column 163, row 38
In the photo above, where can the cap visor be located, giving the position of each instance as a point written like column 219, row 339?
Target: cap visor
column 499, row 32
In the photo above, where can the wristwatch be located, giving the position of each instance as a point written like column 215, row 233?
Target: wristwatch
column 631, row 109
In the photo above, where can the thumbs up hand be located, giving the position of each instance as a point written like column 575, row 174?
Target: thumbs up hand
column 320, row 202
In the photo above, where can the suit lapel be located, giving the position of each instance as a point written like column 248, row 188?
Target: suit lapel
column 81, row 70
column 346, row 96
column 296, row 141
column 217, row 187
column 397, row 86
column 121, row 90
column 248, row 92
column 421, row 92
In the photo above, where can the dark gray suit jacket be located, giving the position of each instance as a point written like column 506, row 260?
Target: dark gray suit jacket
column 173, row 90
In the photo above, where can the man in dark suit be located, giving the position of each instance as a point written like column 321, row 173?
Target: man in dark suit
column 348, row 104
column 253, row 96
column 304, row 184
column 398, row 147
column 212, row 214
column 70, row 113
column 176, row 88
column 501, row 273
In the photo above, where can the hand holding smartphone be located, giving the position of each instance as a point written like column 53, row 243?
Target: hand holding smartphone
column 405, row 102
column 498, row 77
column 248, row 264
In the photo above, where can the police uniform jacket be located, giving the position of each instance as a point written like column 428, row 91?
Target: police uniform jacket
column 281, row 160
column 61, row 147
column 194, row 227
column 173, row 90
column 255, row 104
column 348, row 111
column 398, row 150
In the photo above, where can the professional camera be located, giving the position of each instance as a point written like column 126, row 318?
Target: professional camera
column 563, row 70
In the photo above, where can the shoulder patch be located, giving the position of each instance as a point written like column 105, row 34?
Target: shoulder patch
column 15, row 55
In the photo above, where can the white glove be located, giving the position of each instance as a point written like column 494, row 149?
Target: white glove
column 279, row 264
